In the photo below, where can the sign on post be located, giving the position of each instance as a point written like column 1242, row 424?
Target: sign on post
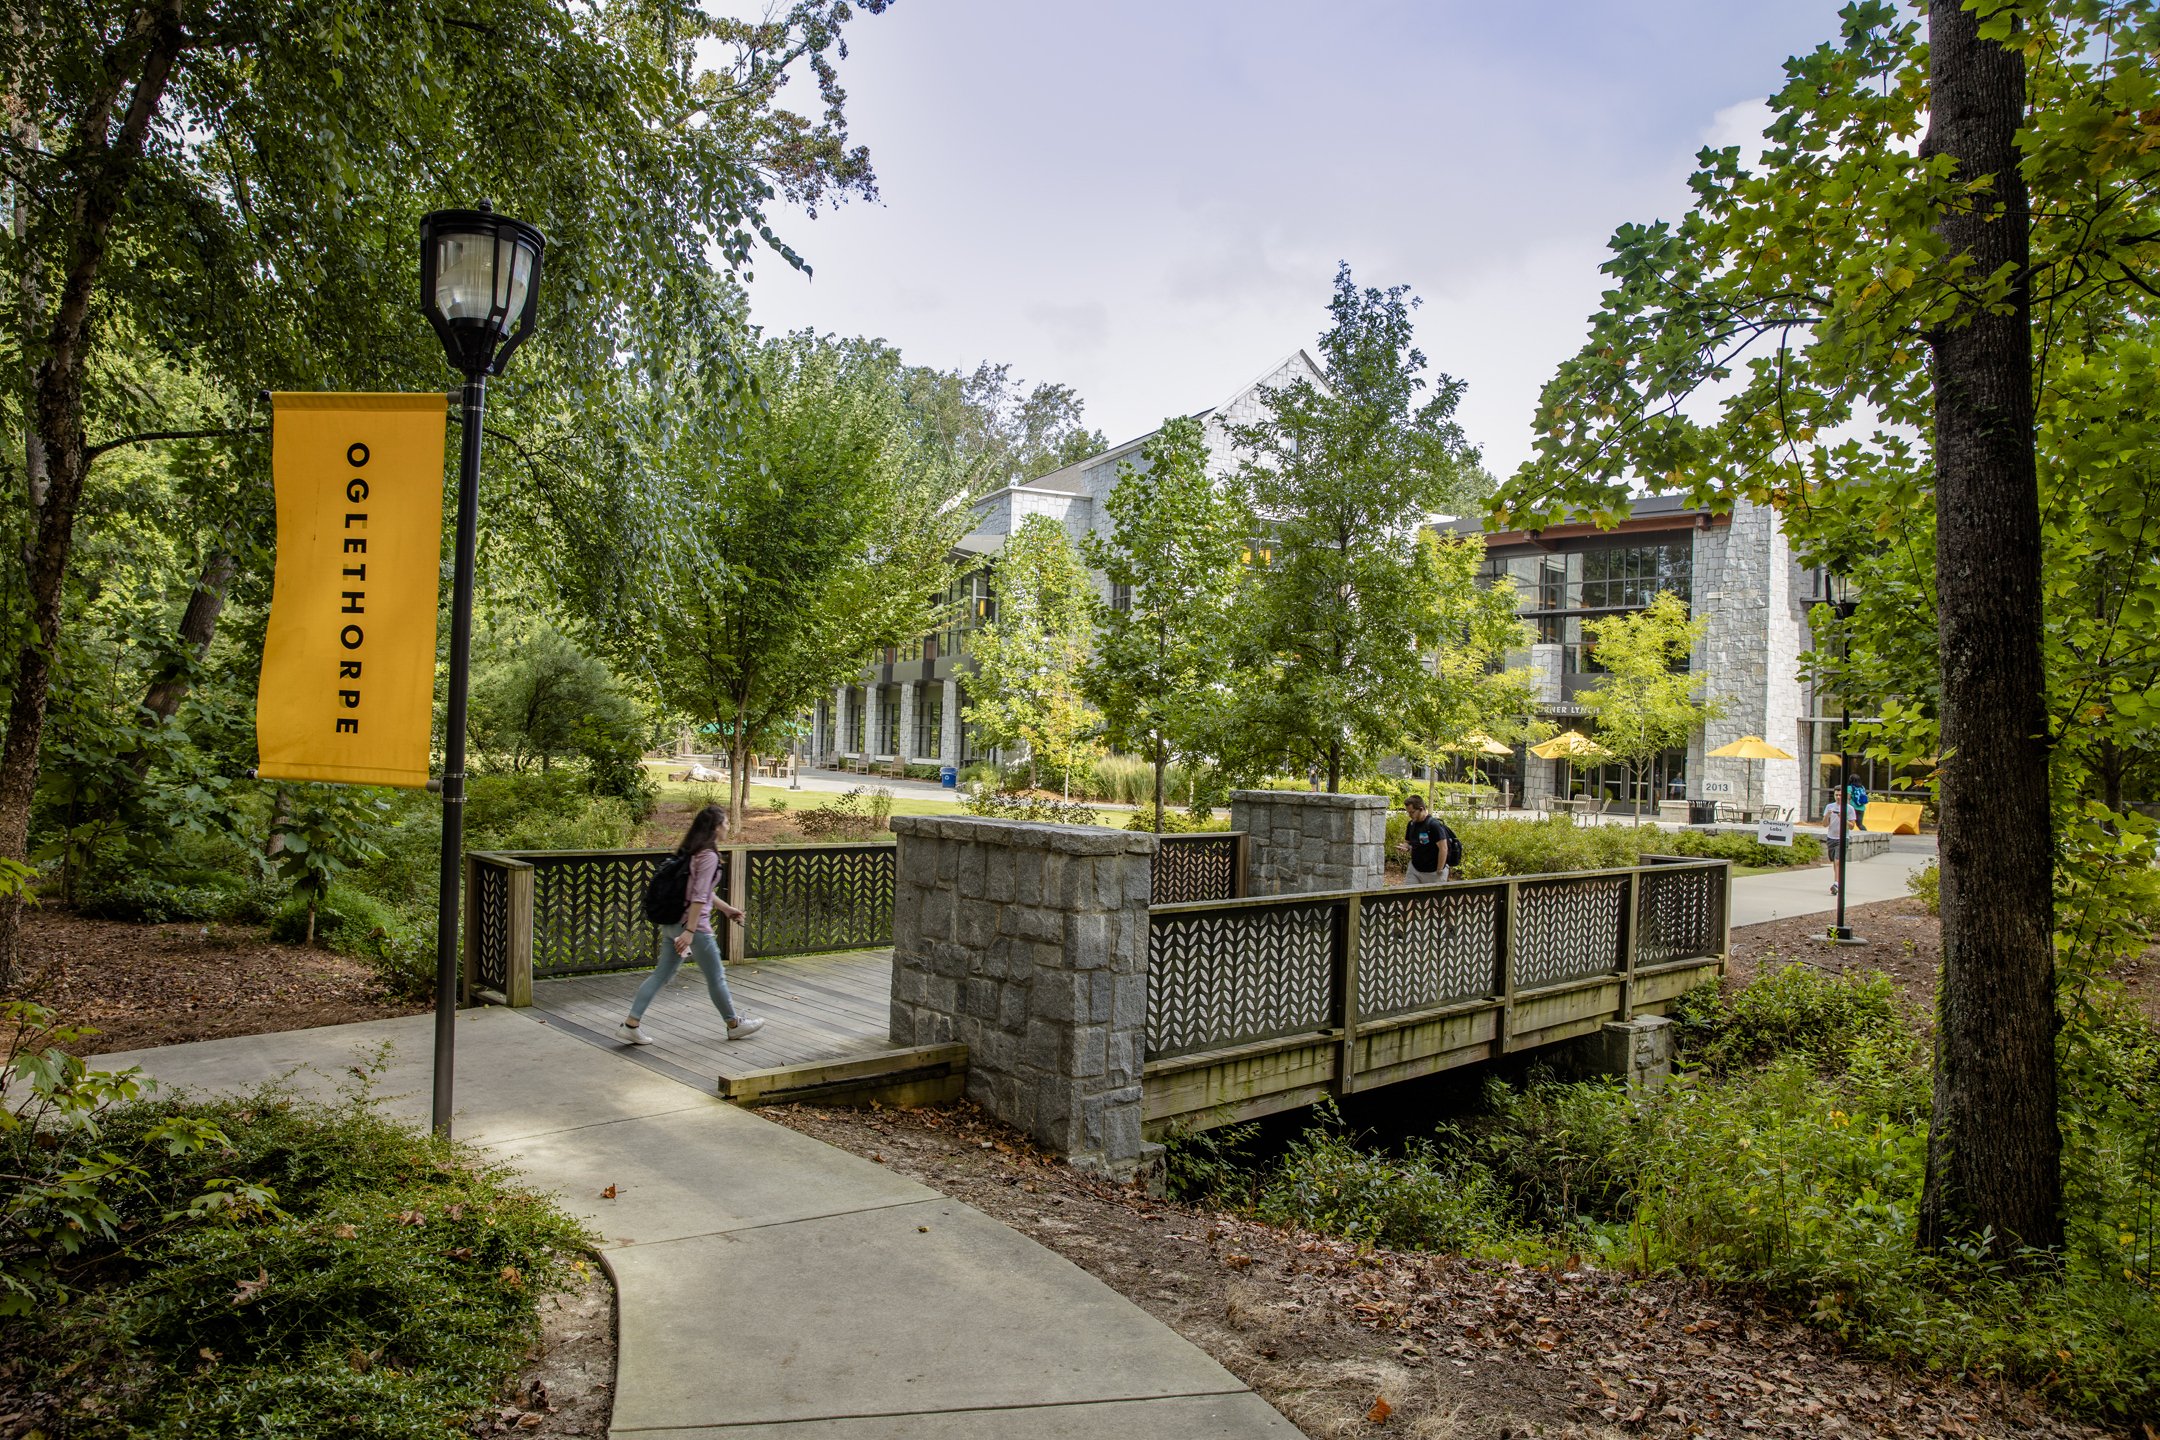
column 347, row 691
column 1774, row 832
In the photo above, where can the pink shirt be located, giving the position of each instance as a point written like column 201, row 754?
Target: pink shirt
column 704, row 876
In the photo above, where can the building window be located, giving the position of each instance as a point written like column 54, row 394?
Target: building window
column 1120, row 596
column 854, row 744
column 888, row 717
column 1615, row 577
column 929, row 720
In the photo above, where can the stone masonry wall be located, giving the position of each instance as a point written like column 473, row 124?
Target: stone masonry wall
column 1028, row 944
column 1302, row 841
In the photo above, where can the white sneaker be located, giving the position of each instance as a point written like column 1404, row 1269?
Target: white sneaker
column 632, row 1035
column 744, row 1028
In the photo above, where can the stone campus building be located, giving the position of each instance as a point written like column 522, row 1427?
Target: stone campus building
column 1736, row 569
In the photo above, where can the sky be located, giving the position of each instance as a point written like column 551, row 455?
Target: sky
column 1147, row 201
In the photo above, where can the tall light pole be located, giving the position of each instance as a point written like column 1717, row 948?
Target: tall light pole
column 479, row 284
column 1841, row 601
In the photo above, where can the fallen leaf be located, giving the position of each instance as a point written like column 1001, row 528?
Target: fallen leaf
column 922, row 1229
column 410, row 1217
column 1380, row 1410
column 529, row 1422
column 249, row 1289
column 608, row 1194
column 345, row 1232
column 510, row 1275
column 1236, row 1261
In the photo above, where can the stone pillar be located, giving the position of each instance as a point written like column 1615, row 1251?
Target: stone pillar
column 1303, row 841
column 1638, row 1051
column 904, row 736
column 870, row 719
column 839, row 719
column 1028, row 944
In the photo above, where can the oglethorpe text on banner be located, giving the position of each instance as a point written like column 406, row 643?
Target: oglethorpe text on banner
column 348, row 674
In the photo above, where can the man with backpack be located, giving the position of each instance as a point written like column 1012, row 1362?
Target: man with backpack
column 1434, row 848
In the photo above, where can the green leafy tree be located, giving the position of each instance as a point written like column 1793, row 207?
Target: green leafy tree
column 996, row 433
column 322, row 831
column 537, row 698
column 235, row 186
column 793, row 539
column 1924, row 312
column 1161, row 663
column 1468, row 632
column 1648, row 701
column 1340, row 477
column 1027, row 688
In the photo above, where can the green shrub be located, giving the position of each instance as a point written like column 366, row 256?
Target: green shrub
column 1740, row 849
column 858, row 814
column 551, row 811
column 1123, row 780
column 399, row 943
column 157, row 897
column 1418, row 1200
column 978, row 772
column 1926, row 885
column 1542, row 847
column 364, row 1280
column 1175, row 822
column 1021, row 805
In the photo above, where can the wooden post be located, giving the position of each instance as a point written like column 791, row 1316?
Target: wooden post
column 1630, row 941
column 518, row 969
column 736, row 938
column 1240, row 866
column 469, row 942
column 1350, row 920
column 1724, row 905
column 1510, row 927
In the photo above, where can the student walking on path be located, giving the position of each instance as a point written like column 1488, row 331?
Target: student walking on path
column 691, row 935
column 1429, row 841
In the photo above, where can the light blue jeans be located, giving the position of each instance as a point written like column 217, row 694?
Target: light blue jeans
column 705, row 950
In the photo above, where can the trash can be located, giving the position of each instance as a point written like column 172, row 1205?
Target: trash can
column 948, row 777
column 1702, row 812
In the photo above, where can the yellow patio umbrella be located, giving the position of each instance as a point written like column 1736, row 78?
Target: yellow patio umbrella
column 1570, row 745
column 1750, row 747
column 1477, row 742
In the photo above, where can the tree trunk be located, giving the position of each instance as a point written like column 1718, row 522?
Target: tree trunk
column 738, row 774
column 1994, row 1152
column 198, row 627
column 146, row 54
column 1162, row 766
column 1334, row 767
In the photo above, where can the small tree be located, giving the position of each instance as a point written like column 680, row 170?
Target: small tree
column 1468, row 631
column 539, row 698
column 1341, row 477
column 802, row 533
column 1160, row 661
column 1648, row 701
column 1026, row 690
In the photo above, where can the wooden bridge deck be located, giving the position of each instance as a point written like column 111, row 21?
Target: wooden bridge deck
column 825, row 1036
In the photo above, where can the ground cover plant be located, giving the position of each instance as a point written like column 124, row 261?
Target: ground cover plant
column 1786, row 1161
column 260, row 1266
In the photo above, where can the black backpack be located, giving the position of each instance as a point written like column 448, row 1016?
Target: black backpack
column 667, row 894
column 1453, row 853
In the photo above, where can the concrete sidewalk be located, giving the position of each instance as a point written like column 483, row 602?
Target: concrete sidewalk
column 772, row 1287
column 1785, row 894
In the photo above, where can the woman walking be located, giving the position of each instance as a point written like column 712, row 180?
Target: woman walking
column 692, row 936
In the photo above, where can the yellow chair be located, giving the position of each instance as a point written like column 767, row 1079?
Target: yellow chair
column 1891, row 817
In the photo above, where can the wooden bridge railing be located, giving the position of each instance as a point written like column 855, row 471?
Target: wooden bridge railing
column 576, row 912
column 1207, row 865
column 1257, row 1005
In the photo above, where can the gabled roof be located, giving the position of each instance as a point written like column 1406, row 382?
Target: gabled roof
column 1120, row 451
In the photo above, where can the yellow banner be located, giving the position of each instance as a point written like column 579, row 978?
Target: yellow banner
column 348, row 672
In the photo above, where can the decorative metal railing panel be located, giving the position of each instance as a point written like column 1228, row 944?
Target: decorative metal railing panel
column 588, row 910
column 1422, row 947
column 1194, row 867
column 818, row 897
column 491, row 926
column 1252, row 972
column 1682, row 914
column 1570, row 928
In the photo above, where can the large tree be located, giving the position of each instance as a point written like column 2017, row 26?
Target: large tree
column 1340, row 475
column 1026, row 690
column 794, row 539
column 235, row 185
column 1174, row 562
column 1921, row 316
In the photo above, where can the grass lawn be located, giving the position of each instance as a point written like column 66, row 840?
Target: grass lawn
column 762, row 796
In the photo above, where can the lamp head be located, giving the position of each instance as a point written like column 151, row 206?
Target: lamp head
column 479, row 284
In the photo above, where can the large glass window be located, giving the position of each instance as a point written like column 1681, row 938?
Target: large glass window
column 929, row 720
column 1613, row 577
column 854, row 744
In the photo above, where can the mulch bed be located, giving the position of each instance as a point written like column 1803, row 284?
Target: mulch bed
column 143, row 985
column 1326, row 1331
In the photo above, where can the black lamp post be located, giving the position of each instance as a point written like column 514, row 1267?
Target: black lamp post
column 479, row 284
column 1842, row 603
